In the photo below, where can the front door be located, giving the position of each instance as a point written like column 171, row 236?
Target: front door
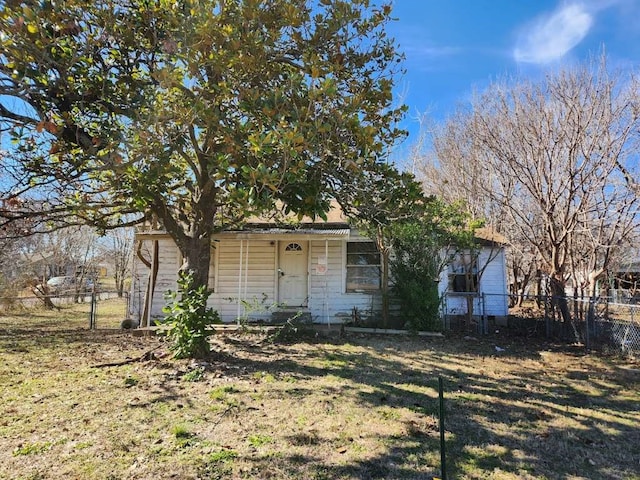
column 292, row 274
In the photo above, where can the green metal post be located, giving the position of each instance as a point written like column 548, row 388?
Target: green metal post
column 92, row 312
column 443, row 463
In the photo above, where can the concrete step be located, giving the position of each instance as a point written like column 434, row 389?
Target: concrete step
column 297, row 315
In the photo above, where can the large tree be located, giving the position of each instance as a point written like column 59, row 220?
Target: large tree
column 560, row 163
column 412, row 233
column 195, row 112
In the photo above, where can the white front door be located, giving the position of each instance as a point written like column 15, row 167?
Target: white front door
column 292, row 273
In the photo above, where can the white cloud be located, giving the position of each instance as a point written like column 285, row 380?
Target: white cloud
column 550, row 37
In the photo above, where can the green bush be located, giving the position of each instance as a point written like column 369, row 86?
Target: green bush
column 415, row 269
column 188, row 322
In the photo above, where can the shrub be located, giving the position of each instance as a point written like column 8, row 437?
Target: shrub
column 415, row 269
column 188, row 322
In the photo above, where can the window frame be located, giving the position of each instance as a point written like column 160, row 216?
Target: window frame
column 462, row 265
column 366, row 255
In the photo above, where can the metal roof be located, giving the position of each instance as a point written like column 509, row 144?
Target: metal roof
column 333, row 232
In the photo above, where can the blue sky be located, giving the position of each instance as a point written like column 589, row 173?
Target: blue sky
column 455, row 46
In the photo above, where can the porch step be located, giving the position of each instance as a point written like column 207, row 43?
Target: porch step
column 298, row 316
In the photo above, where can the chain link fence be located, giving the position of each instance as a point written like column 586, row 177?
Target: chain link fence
column 102, row 309
column 600, row 324
column 612, row 326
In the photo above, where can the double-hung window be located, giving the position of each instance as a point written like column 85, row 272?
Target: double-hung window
column 463, row 274
column 363, row 267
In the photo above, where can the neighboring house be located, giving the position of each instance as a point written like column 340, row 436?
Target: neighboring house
column 322, row 270
column 474, row 285
column 46, row 264
column 624, row 280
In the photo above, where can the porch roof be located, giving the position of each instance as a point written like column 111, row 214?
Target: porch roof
column 317, row 232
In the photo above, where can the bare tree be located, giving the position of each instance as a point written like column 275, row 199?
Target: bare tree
column 558, row 161
column 454, row 170
column 118, row 252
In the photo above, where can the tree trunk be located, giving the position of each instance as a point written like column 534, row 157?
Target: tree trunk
column 385, row 291
column 385, row 252
column 42, row 292
column 538, row 288
column 576, row 301
column 151, row 284
column 559, row 298
column 193, row 237
column 197, row 258
column 120, row 287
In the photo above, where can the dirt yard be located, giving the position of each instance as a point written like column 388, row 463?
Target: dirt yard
column 316, row 406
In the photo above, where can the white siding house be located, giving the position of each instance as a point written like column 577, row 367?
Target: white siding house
column 322, row 270
column 477, row 285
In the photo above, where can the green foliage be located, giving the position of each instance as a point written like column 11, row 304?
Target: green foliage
column 32, row 448
column 180, row 431
column 422, row 247
column 198, row 112
column 221, row 394
column 392, row 209
column 195, row 375
column 258, row 440
column 223, row 456
column 379, row 199
column 189, row 320
column 183, row 436
column 218, row 465
column 264, row 377
column 415, row 268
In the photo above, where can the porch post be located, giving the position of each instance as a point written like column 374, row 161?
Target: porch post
column 326, row 282
column 246, row 272
column 239, row 283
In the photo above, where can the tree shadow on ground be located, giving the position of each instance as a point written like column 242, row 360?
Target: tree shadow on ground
column 524, row 423
column 527, row 410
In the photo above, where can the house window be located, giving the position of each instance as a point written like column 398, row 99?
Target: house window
column 463, row 274
column 293, row 247
column 363, row 267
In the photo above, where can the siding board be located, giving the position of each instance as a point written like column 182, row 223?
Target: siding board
column 252, row 290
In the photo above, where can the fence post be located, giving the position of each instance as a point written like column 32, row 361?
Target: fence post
column 485, row 318
column 443, row 463
column 92, row 310
column 587, row 326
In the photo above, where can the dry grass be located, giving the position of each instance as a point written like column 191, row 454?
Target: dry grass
column 354, row 407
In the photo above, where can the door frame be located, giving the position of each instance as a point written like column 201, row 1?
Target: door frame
column 306, row 244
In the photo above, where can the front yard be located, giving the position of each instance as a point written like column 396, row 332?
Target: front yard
column 316, row 407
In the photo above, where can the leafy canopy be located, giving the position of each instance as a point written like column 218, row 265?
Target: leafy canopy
column 199, row 112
